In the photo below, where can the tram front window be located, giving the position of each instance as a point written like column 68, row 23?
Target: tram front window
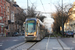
column 30, row 27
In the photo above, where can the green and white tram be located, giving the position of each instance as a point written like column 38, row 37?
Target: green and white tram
column 32, row 29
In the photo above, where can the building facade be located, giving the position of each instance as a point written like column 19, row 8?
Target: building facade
column 7, row 16
column 2, row 15
column 11, row 21
column 70, row 25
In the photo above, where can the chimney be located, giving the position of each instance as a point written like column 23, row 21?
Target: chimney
column 14, row 2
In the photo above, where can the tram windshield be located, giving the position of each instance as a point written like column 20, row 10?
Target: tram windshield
column 30, row 27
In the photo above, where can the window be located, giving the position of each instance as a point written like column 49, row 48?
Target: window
column 8, row 28
column 4, row 14
column 4, row 6
column 1, row 1
column 8, row 17
column 2, row 19
column 7, row 9
column 2, row 29
column 1, row 9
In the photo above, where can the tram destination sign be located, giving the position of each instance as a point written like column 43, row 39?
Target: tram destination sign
column 30, row 21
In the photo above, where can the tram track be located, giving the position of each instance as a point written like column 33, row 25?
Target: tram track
column 59, row 41
column 31, row 44
column 56, row 39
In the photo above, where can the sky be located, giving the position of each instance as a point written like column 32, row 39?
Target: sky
column 48, row 4
column 44, row 6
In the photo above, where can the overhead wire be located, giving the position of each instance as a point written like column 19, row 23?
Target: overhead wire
column 42, row 5
column 30, row 2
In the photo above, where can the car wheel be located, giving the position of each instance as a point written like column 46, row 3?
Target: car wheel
column 66, row 35
column 72, row 35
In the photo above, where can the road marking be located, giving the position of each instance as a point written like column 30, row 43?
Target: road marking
column 15, row 40
column 47, row 42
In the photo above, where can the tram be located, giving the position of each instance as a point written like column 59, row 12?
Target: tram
column 32, row 29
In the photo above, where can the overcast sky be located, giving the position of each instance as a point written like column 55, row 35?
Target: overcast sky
column 47, row 4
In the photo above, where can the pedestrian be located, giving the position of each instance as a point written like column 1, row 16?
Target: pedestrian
column 2, row 33
column 6, row 34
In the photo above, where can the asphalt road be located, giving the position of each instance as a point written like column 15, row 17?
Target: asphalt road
column 70, row 42
column 6, row 42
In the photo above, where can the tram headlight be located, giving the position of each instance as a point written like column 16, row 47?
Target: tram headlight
column 26, row 35
column 34, row 33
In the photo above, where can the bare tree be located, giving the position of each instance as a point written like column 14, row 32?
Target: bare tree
column 20, row 17
column 57, row 16
column 31, row 11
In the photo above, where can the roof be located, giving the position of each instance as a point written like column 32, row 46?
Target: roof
column 15, row 5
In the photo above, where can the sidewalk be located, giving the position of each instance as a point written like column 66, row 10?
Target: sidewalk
column 2, row 36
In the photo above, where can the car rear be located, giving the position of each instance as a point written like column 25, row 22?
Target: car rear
column 70, row 33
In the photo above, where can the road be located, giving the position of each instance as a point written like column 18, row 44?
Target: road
column 6, row 42
column 45, row 44
column 70, row 42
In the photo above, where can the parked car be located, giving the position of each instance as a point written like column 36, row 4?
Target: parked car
column 23, row 34
column 65, row 32
column 69, row 33
column 15, row 34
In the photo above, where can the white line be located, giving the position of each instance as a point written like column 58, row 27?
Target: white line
column 47, row 42
column 15, row 40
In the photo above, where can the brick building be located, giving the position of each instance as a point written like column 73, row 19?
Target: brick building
column 7, row 16
column 2, row 15
column 11, row 22
column 10, row 14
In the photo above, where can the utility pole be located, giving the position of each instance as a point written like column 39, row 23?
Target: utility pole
column 27, row 4
column 62, row 20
